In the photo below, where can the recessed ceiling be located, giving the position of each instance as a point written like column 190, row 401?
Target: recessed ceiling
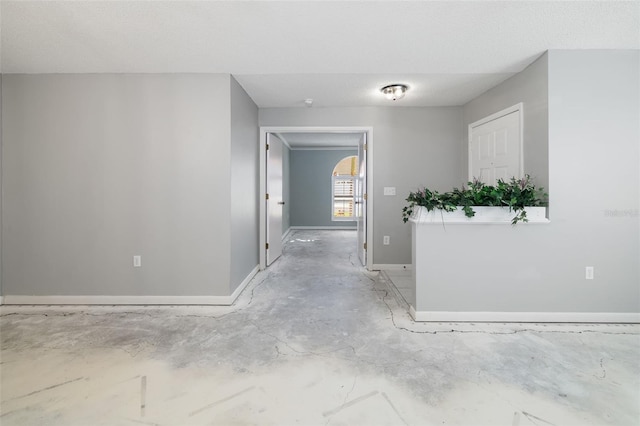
column 336, row 52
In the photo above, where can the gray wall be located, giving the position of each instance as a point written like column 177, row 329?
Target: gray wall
column 594, row 152
column 98, row 168
column 286, row 188
column 1, row 214
column 593, row 149
column 531, row 88
column 245, row 182
column 311, row 201
column 412, row 147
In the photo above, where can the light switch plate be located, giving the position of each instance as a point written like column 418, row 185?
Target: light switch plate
column 589, row 270
column 389, row 190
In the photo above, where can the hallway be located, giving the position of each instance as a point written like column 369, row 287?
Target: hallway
column 313, row 340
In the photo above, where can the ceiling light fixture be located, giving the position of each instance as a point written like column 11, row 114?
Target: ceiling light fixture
column 394, row 91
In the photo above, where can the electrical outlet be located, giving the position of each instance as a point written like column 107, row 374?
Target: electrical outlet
column 137, row 261
column 588, row 272
column 385, row 240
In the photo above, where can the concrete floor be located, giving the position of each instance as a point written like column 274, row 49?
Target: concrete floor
column 402, row 284
column 314, row 340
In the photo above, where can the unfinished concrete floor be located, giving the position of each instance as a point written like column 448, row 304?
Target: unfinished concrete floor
column 313, row 340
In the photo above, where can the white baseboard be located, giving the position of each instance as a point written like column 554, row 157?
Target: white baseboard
column 391, row 267
column 286, row 234
column 536, row 317
column 1, row 300
column 130, row 300
column 243, row 284
column 329, row 228
column 117, row 300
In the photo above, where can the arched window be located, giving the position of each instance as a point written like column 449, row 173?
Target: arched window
column 343, row 182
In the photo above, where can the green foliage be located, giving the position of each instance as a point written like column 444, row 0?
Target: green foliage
column 515, row 194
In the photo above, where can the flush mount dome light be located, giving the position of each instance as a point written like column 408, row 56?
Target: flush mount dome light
column 394, row 91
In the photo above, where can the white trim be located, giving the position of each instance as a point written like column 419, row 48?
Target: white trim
column 514, row 108
column 1, row 300
column 131, row 300
column 325, row 148
column 329, row 228
column 391, row 267
column 283, row 140
column 316, row 129
column 486, row 215
column 262, row 240
column 117, row 300
column 414, row 314
column 495, row 116
column 243, row 284
column 535, row 317
column 286, row 234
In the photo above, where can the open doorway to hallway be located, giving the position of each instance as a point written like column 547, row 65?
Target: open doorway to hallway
column 298, row 184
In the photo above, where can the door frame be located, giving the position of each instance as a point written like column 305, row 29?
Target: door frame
column 315, row 129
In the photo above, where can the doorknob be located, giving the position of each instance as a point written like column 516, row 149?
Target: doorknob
column 281, row 203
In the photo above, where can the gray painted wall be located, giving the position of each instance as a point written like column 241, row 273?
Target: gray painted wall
column 594, row 129
column 1, row 293
column 311, row 202
column 594, row 175
column 412, row 147
column 286, row 188
column 245, row 183
column 531, row 88
column 98, row 168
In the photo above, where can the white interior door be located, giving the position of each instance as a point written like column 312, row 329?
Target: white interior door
column 274, row 201
column 361, row 200
column 495, row 148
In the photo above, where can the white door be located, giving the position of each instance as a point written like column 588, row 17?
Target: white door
column 361, row 200
column 274, row 199
column 495, row 149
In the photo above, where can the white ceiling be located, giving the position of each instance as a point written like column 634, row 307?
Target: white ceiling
column 314, row 140
column 337, row 52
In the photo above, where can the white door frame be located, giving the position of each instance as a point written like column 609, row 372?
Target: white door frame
column 263, row 179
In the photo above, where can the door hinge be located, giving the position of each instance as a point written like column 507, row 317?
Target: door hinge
column 364, row 196
column 267, row 246
column 365, row 246
column 267, row 147
column 267, row 197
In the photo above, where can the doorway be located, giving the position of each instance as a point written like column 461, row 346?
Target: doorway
column 271, row 209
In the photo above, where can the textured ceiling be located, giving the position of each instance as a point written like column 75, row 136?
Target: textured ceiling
column 364, row 89
column 336, row 52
